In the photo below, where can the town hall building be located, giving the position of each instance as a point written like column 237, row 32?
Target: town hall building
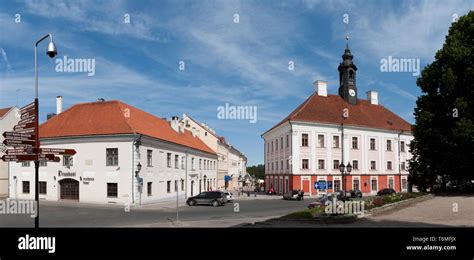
column 338, row 142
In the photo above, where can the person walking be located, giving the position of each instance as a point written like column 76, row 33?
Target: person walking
column 302, row 194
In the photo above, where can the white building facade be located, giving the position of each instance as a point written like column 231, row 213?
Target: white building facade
column 8, row 119
column 126, row 168
column 306, row 149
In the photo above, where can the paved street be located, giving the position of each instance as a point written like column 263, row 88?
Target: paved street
column 70, row 214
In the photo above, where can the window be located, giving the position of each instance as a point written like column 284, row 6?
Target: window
column 287, row 141
column 176, row 161
column 68, row 161
column 372, row 143
column 320, row 140
column 25, row 164
column 389, row 165
column 200, row 162
column 276, row 145
column 404, row 184
column 112, row 190
column 272, row 166
column 355, row 143
column 304, row 164
column 335, row 141
column 26, row 187
column 321, row 164
column 182, row 185
column 272, row 146
column 355, row 165
column 390, row 182
column 192, row 164
column 403, row 166
column 373, row 183
column 182, row 162
column 288, row 164
column 276, row 166
column 389, row 145
column 168, row 160
column 112, row 156
column 149, row 158
column 42, row 187
column 337, row 185
column 402, row 146
column 304, row 140
column 373, row 165
column 43, row 163
column 281, row 164
column 168, row 186
column 355, row 184
column 281, row 142
column 335, row 164
column 175, row 185
column 149, row 186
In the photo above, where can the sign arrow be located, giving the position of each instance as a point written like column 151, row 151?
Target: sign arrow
column 56, row 151
column 23, row 126
column 27, row 120
column 19, row 136
column 20, row 151
column 28, row 107
column 18, row 158
column 50, row 159
column 27, row 114
column 9, row 142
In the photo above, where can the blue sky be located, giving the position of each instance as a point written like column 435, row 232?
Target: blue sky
column 243, row 64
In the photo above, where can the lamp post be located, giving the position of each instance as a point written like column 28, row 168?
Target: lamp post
column 344, row 171
column 51, row 52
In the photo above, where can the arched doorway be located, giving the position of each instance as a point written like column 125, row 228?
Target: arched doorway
column 69, row 189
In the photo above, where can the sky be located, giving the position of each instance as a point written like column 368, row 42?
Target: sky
column 262, row 54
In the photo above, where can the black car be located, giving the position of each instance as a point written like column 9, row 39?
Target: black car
column 356, row 194
column 214, row 198
column 386, row 192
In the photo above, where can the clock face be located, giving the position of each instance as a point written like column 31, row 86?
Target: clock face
column 352, row 92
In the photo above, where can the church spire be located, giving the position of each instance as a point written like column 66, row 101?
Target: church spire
column 347, row 76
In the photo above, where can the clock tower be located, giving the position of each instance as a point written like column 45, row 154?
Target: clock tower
column 347, row 77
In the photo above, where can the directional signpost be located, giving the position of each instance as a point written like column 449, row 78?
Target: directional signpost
column 26, row 146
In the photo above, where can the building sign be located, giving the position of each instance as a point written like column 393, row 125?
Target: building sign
column 320, row 185
column 86, row 180
column 66, row 174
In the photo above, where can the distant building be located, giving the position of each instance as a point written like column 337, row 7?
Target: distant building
column 231, row 164
column 124, row 155
column 8, row 118
column 305, row 150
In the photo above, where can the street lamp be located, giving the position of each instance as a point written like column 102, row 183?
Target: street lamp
column 344, row 169
column 51, row 51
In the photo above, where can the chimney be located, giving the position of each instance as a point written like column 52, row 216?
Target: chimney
column 321, row 88
column 59, row 105
column 174, row 123
column 373, row 97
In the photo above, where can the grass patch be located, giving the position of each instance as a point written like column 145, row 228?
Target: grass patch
column 305, row 214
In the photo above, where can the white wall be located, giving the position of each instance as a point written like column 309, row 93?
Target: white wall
column 6, row 124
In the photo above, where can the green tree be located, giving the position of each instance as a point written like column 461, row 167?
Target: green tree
column 257, row 170
column 443, row 134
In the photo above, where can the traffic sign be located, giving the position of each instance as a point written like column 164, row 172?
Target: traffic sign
column 27, row 120
column 20, row 151
column 20, row 127
column 56, row 151
column 19, row 136
column 26, row 131
column 9, row 142
column 27, row 114
column 18, row 158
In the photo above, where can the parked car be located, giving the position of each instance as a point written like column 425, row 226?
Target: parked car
column 271, row 191
column 319, row 202
column 292, row 195
column 228, row 195
column 386, row 192
column 356, row 194
column 214, row 198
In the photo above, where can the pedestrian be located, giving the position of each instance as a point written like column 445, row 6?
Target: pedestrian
column 302, row 194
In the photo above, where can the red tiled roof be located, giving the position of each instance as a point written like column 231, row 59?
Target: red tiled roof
column 115, row 117
column 3, row 111
column 329, row 110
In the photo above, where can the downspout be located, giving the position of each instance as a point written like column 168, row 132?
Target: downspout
column 342, row 157
column 399, row 161
column 133, row 172
column 291, row 155
column 186, row 176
